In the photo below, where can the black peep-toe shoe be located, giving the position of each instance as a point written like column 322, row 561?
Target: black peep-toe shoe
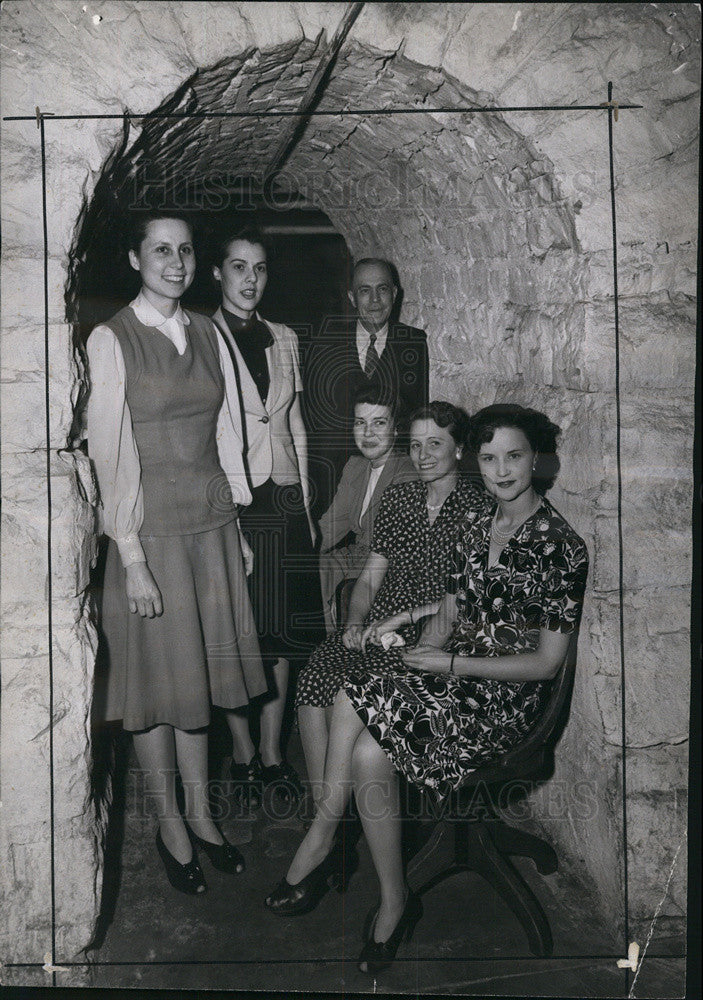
column 378, row 955
column 186, row 878
column 225, row 856
column 288, row 900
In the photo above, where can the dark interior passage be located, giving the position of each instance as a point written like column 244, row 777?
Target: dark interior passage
column 308, row 268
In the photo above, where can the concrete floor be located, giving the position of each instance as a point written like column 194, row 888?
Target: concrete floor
column 468, row 942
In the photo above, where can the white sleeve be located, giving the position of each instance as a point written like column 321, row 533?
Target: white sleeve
column 295, row 352
column 112, row 447
column 230, row 433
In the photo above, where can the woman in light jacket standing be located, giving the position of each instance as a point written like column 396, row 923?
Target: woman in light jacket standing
column 278, row 523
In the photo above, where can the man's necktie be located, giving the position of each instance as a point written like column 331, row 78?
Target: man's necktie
column 372, row 359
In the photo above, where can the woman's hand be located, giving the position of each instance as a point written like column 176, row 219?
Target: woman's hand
column 374, row 631
column 247, row 554
column 428, row 658
column 143, row 596
column 351, row 637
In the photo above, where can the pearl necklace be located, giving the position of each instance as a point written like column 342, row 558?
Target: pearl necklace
column 432, row 506
column 503, row 536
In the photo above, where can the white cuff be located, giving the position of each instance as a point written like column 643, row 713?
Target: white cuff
column 130, row 549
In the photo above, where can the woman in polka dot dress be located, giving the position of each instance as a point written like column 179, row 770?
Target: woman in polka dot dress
column 412, row 555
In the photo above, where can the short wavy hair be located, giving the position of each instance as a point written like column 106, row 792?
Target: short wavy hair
column 446, row 415
column 539, row 430
column 224, row 237
column 377, row 394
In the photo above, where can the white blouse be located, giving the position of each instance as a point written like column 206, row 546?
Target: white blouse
column 374, row 476
column 111, row 442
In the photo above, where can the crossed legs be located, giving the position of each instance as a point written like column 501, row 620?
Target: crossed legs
column 355, row 760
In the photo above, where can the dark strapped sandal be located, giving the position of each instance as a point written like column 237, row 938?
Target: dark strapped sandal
column 288, row 900
column 378, row 955
column 247, row 782
column 225, row 856
column 284, row 780
column 186, row 878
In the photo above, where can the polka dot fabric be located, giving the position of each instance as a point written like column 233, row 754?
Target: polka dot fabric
column 420, row 561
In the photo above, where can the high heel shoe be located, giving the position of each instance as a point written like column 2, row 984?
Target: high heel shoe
column 186, row 878
column 225, row 856
column 293, row 900
column 378, row 955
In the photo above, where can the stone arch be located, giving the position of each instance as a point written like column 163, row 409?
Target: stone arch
column 467, row 209
column 516, row 309
column 469, row 212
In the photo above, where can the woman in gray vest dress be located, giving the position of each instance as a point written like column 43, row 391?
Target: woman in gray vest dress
column 177, row 625
column 284, row 585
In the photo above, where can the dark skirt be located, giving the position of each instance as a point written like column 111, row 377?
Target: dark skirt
column 285, row 584
column 202, row 651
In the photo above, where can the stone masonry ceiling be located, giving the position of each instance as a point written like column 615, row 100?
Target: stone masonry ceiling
column 451, row 198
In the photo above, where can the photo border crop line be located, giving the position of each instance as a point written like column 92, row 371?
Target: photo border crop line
column 612, row 108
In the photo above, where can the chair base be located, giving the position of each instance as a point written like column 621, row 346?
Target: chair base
column 484, row 847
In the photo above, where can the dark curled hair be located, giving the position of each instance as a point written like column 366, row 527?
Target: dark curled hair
column 539, row 430
column 445, row 415
column 376, row 394
column 138, row 222
column 225, row 237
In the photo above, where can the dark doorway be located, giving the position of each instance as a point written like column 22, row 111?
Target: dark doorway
column 308, row 267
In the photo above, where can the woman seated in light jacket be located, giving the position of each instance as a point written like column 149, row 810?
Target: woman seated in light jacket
column 348, row 523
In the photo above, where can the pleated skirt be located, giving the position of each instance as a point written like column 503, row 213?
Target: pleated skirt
column 202, row 651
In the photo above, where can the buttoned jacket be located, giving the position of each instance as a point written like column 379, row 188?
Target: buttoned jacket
column 269, row 447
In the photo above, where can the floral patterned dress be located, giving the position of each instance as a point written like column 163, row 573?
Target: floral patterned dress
column 420, row 560
column 436, row 728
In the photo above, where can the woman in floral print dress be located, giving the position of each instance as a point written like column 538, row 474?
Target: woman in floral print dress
column 473, row 686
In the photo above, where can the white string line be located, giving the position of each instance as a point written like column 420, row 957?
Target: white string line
column 631, row 994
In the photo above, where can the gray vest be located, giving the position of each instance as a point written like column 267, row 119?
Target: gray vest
column 174, row 401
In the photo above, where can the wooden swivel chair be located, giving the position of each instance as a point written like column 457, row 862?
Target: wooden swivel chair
column 470, row 836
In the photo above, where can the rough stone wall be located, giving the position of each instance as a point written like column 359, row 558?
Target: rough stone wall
column 500, row 227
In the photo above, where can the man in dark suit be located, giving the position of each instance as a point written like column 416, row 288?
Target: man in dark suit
column 364, row 348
